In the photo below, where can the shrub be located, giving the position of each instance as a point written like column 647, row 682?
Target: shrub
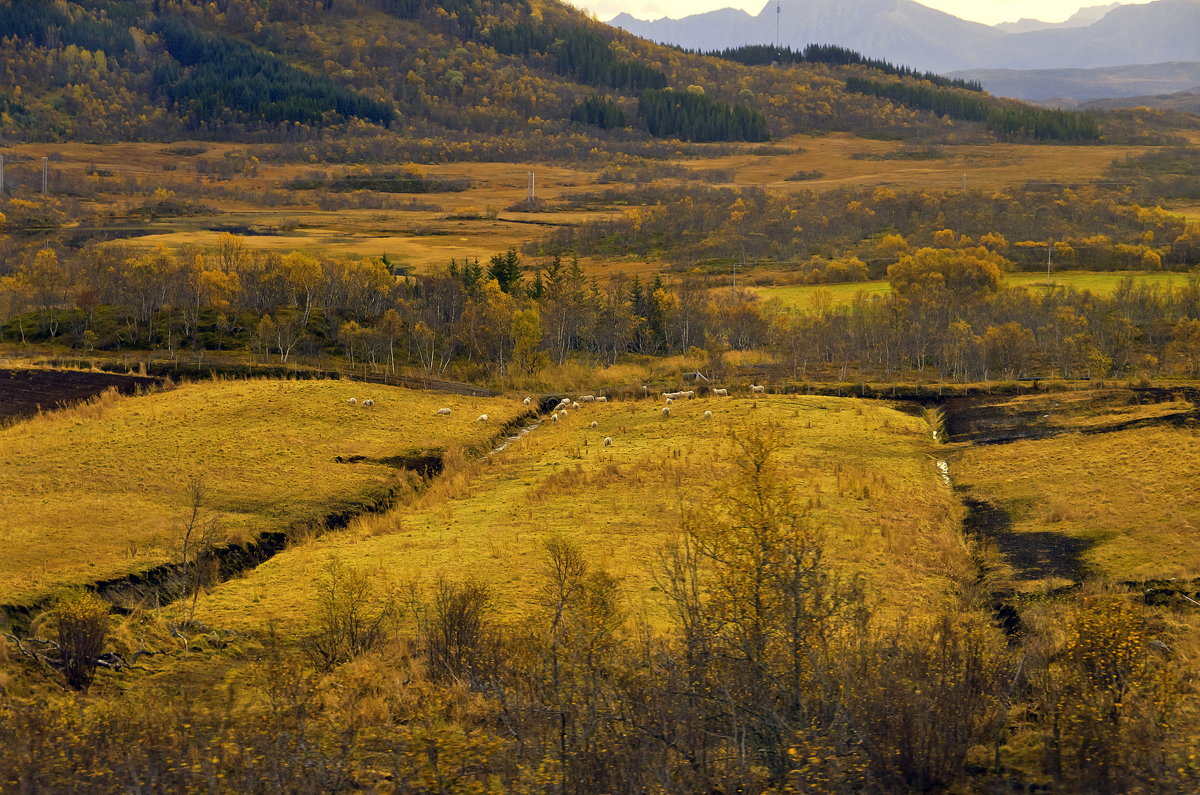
column 352, row 616
column 81, row 620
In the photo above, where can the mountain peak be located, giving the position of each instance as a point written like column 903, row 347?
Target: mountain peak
column 906, row 32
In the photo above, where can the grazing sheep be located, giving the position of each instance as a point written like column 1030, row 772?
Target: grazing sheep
column 756, row 388
column 708, row 415
column 594, row 424
column 352, row 401
column 602, row 399
column 563, row 411
column 691, row 393
column 721, row 392
column 527, row 401
column 482, row 418
column 368, row 402
column 666, row 412
column 608, row 441
column 554, row 418
column 587, row 398
column 442, row 412
column 574, row 405
column 670, row 401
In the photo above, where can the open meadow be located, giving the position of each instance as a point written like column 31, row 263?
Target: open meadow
column 863, row 474
column 104, row 489
column 815, row 296
column 1119, row 505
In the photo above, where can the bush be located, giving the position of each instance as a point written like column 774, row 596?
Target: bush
column 81, row 620
column 352, row 616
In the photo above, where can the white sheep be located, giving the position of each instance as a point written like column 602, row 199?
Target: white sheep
column 352, row 401
column 563, row 411
column 708, row 415
column 608, row 441
column 756, row 388
column 368, row 402
column 527, row 401
column 602, row 399
column 587, row 398
column 691, row 393
column 443, row 412
column 574, row 405
column 482, row 418
column 721, row 392
column 670, row 401
column 666, row 412
column 594, row 424
column 554, row 418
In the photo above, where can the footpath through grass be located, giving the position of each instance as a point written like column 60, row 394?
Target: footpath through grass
column 103, row 489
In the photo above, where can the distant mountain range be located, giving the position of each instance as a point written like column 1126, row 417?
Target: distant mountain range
column 906, row 32
column 1081, row 18
column 1082, row 85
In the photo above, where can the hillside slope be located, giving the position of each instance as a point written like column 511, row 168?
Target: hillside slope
column 490, row 79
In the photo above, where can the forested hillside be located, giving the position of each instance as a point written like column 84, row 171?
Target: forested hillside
column 107, row 70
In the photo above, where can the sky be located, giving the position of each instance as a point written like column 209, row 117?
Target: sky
column 989, row 12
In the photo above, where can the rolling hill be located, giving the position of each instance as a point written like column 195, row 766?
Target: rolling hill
column 416, row 80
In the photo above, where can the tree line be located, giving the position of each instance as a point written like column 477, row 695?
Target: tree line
column 1085, row 227
column 692, row 116
column 218, row 75
column 1009, row 122
column 767, row 54
column 947, row 316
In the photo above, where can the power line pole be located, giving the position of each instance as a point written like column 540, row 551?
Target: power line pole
column 1, row 173
column 45, row 174
column 532, row 188
column 964, row 182
column 1049, row 248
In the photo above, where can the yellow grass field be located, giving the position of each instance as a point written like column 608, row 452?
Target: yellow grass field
column 986, row 167
column 1126, row 503
column 811, row 296
column 865, row 468
column 101, row 490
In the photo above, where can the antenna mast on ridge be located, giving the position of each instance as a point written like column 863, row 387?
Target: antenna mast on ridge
column 778, row 11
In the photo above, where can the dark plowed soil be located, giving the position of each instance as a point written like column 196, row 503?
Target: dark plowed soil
column 24, row 392
column 1034, row 556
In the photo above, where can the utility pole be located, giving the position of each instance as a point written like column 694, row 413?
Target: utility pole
column 45, row 174
column 964, row 182
column 1049, row 248
column 532, row 188
column 1, row 173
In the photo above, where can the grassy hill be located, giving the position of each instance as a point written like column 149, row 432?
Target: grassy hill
column 467, row 70
column 862, row 470
column 104, row 489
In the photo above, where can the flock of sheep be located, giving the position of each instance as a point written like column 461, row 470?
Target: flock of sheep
column 561, row 409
